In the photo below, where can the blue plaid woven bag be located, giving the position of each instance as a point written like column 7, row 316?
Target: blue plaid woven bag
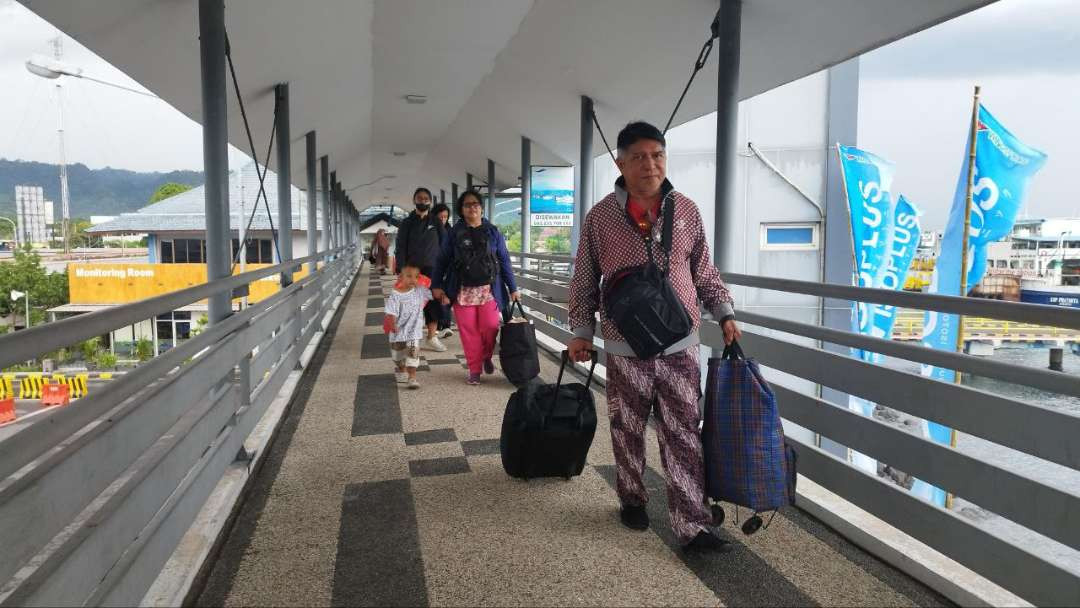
column 746, row 460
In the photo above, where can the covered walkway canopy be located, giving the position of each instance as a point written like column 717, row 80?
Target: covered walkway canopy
column 391, row 94
column 491, row 71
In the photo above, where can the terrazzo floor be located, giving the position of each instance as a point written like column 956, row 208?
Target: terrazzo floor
column 375, row 495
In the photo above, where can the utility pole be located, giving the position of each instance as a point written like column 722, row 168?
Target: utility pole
column 58, row 53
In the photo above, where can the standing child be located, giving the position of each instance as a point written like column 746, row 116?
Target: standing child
column 404, row 322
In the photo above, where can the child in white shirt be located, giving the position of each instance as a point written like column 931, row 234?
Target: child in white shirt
column 404, row 323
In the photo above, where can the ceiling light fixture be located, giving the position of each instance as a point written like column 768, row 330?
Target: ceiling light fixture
column 416, row 99
column 399, row 154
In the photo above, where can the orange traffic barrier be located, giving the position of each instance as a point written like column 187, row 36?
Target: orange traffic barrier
column 55, row 394
column 7, row 410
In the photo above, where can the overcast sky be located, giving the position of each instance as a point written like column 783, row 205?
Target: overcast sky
column 104, row 126
column 915, row 102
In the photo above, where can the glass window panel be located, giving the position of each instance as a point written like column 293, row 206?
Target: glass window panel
column 183, row 330
column 265, row 252
column 195, row 254
column 165, row 330
column 182, row 314
column 799, row 235
column 180, row 251
column 167, row 252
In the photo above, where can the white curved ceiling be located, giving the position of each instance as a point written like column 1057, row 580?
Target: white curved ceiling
column 492, row 70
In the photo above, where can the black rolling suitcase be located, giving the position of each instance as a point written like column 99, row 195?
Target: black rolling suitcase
column 545, row 436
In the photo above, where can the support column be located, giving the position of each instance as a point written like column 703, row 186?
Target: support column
column 284, row 179
column 583, row 193
column 526, row 195
column 347, row 223
column 491, row 190
column 468, row 181
column 726, row 218
column 215, row 150
column 453, row 195
column 442, row 196
column 312, row 192
column 340, row 194
column 324, row 170
column 842, row 114
column 332, row 226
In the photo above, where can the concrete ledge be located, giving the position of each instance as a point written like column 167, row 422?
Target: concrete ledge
column 184, row 570
column 901, row 551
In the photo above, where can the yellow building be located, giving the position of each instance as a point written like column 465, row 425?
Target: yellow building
column 176, row 251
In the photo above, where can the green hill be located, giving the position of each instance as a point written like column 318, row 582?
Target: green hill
column 92, row 191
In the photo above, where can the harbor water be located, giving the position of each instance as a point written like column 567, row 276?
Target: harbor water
column 1046, row 472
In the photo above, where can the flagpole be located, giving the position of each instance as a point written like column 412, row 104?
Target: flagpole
column 855, row 265
column 972, row 138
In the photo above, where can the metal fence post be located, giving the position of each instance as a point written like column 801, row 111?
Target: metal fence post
column 324, row 173
column 215, row 151
column 583, row 192
column 726, row 224
column 526, row 198
column 284, row 175
column 312, row 192
column 491, row 190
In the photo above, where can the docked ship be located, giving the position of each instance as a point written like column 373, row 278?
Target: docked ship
column 1041, row 258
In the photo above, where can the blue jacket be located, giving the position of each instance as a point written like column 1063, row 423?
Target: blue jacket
column 445, row 277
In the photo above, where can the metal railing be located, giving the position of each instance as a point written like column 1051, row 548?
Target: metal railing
column 95, row 497
column 1046, row 433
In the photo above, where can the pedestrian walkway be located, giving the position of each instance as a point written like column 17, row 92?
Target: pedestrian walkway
column 377, row 495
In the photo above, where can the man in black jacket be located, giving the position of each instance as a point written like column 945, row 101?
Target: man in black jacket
column 419, row 238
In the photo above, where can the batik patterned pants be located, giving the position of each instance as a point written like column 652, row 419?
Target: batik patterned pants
column 669, row 386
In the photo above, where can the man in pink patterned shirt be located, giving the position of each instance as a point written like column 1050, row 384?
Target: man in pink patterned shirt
column 612, row 239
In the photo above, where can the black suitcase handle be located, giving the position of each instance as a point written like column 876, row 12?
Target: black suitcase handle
column 562, row 368
column 558, row 384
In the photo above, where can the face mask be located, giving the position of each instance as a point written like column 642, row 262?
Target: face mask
column 423, row 206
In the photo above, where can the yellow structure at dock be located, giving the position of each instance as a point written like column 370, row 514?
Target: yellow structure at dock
column 909, row 326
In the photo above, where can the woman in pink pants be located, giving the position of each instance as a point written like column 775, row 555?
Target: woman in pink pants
column 474, row 273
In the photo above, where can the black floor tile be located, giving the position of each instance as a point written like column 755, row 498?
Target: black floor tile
column 438, row 466
column 376, row 410
column 432, row 436
column 375, row 346
column 379, row 562
column 480, row 447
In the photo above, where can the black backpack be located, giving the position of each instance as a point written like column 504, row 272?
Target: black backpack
column 476, row 264
column 643, row 304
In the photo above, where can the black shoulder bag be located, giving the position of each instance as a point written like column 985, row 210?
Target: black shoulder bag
column 642, row 303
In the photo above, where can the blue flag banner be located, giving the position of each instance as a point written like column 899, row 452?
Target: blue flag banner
column 885, row 236
column 1004, row 167
column 904, row 232
column 868, row 180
